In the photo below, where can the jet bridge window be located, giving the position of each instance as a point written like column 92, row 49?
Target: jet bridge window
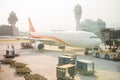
column 93, row 37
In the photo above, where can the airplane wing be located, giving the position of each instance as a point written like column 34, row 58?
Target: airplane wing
column 44, row 41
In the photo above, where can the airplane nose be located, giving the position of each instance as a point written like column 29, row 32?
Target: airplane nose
column 99, row 41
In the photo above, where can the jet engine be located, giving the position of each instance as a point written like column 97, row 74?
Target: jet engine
column 38, row 45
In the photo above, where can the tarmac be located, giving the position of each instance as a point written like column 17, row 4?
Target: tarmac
column 44, row 62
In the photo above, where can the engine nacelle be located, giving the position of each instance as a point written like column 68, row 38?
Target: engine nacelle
column 38, row 45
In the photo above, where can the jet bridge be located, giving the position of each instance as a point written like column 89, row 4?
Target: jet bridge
column 111, row 38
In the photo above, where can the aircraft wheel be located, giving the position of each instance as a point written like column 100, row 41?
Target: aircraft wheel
column 61, row 47
column 107, row 57
column 97, row 55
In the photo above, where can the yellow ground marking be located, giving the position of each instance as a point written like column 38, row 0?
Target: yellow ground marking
column 12, row 40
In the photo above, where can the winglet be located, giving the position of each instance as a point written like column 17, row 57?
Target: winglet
column 31, row 28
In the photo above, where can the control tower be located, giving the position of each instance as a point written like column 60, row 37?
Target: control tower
column 12, row 19
column 78, row 12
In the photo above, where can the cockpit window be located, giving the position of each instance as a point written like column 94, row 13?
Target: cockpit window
column 93, row 36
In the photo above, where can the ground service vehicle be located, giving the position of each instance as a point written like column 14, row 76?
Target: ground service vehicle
column 10, row 53
column 25, row 45
column 105, row 53
column 65, row 72
column 71, row 55
column 65, row 60
column 85, row 67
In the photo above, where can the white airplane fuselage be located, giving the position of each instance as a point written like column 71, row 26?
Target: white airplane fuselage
column 70, row 38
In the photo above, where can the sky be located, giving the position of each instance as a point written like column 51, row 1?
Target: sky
column 47, row 15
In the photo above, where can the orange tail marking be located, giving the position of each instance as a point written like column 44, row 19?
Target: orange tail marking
column 31, row 28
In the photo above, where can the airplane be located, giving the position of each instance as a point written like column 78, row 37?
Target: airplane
column 63, row 38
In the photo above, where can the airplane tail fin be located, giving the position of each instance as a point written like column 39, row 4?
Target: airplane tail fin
column 31, row 28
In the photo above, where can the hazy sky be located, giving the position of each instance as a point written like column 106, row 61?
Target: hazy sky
column 58, row 14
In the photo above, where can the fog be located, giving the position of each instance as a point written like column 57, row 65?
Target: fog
column 58, row 14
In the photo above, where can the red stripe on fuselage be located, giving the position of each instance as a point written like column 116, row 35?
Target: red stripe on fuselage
column 50, row 37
